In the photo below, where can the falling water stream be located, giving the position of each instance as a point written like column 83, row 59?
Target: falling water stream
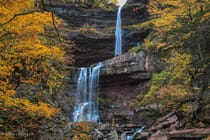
column 86, row 107
column 137, row 131
column 118, row 31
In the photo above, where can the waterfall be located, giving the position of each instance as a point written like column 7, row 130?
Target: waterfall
column 86, row 106
column 118, row 31
column 118, row 34
column 137, row 131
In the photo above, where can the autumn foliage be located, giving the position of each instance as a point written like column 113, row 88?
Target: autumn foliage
column 179, row 30
column 25, row 58
column 82, row 130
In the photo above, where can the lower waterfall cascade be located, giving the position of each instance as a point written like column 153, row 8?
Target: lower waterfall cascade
column 86, row 107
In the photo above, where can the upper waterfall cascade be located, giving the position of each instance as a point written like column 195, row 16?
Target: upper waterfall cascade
column 118, row 31
column 121, row 3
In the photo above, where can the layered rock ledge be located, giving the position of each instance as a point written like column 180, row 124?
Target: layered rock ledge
column 124, row 64
column 122, row 78
column 92, row 29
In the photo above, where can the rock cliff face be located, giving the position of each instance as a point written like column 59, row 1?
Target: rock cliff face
column 122, row 79
column 92, row 29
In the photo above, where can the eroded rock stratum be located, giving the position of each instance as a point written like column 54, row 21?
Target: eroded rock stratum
column 92, row 29
column 122, row 77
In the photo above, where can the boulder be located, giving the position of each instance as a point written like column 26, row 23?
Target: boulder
column 113, row 135
column 126, row 64
column 168, row 122
column 184, row 134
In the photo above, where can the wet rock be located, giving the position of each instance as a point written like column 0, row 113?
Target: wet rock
column 170, row 127
column 196, row 133
column 103, row 126
column 96, row 42
column 123, row 136
column 158, row 138
column 142, row 136
column 125, row 64
column 129, row 126
column 112, row 135
column 98, row 134
column 169, row 121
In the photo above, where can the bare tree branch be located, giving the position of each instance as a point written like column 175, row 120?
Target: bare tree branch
column 43, row 5
column 56, row 29
column 17, row 15
column 33, row 11
column 53, row 21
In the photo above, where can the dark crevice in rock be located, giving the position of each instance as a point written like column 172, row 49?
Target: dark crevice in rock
column 93, row 47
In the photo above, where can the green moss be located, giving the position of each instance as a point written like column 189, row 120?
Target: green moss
column 137, row 49
column 134, row 49
column 102, row 101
